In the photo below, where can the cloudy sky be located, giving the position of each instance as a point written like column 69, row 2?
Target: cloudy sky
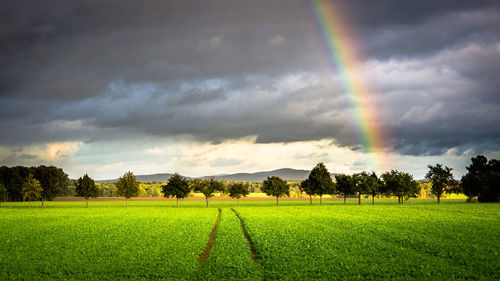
column 223, row 86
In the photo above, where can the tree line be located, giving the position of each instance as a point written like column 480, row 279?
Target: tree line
column 482, row 181
column 42, row 182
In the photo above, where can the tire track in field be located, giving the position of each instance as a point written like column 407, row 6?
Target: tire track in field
column 204, row 256
column 255, row 254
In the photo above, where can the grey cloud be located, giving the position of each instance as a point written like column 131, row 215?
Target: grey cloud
column 20, row 159
column 212, row 70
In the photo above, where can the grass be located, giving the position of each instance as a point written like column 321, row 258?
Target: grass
column 449, row 241
column 102, row 243
column 295, row 241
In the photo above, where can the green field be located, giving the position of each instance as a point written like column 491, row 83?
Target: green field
column 295, row 241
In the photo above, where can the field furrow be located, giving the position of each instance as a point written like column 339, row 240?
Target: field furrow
column 231, row 256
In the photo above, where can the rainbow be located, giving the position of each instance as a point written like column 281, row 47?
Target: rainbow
column 339, row 43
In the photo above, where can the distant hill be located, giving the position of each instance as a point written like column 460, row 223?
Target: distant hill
column 285, row 173
column 163, row 177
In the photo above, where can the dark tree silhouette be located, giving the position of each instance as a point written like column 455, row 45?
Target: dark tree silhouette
column 400, row 184
column 178, row 187
column 3, row 193
column 320, row 181
column 482, row 180
column 85, row 187
column 345, row 185
column 366, row 184
column 306, row 187
column 238, row 190
column 442, row 180
column 208, row 187
column 275, row 186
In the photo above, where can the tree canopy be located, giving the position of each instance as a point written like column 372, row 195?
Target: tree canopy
column 306, row 187
column 320, row 181
column 238, row 190
column 52, row 179
column 127, row 186
column 275, row 186
column 177, row 186
column 32, row 190
column 86, row 188
column 442, row 180
column 3, row 192
column 208, row 187
column 482, row 179
column 400, row 184
column 346, row 185
column 366, row 184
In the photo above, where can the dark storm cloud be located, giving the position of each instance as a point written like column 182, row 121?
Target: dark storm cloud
column 94, row 70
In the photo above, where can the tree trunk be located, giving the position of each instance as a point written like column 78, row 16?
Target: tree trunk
column 206, row 199
column 177, row 205
column 320, row 200
column 310, row 200
column 373, row 199
column 276, row 200
column 42, row 202
column 345, row 198
column 126, row 202
column 86, row 203
column 399, row 200
column 359, row 198
column 439, row 199
column 237, row 202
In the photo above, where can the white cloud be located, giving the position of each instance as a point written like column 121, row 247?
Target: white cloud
column 57, row 150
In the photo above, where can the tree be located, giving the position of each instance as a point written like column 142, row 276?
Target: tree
column 400, row 184
column 86, row 188
column 14, row 179
column 320, row 181
column 3, row 193
column 306, row 187
column 127, row 186
column 442, row 180
column 374, row 186
column 482, row 180
column 178, row 187
column 366, row 184
column 275, row 186
column 208, row 187
column 345, row 185
column 32, row 190
column 238, row 190
column 52, row 179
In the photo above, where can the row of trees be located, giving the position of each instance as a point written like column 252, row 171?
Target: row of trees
column 177, row 187
column 15, row 181
column 482, row 181
column 393, row 183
